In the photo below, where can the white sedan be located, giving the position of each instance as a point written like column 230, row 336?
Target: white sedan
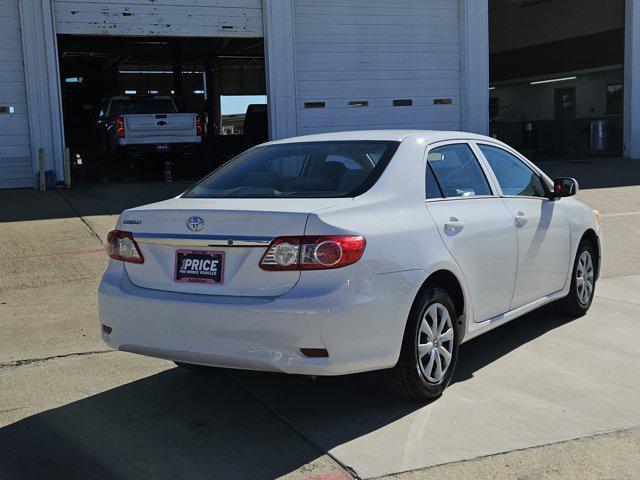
column 347, row 252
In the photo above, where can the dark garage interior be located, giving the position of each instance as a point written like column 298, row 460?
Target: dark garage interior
column 556, row 76
column 194, row 73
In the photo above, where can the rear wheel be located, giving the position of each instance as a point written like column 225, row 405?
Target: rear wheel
column 583, row 282
column 429, row 348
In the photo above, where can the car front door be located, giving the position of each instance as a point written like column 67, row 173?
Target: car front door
column 474, row 224
column 542, row 225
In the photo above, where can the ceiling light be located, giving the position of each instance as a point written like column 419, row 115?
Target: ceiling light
column 552, row 80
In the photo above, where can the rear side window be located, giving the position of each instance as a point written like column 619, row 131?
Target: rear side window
column 514, row 177
column 299, row 170
column 457, row 173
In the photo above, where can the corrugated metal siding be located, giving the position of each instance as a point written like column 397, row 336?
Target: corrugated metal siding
column 192, row 18
column 377, row 51
column 15, row 153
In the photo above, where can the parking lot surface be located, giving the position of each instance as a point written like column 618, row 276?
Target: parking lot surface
column 541, row 397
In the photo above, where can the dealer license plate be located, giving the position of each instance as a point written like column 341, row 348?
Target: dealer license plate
column 199, row 266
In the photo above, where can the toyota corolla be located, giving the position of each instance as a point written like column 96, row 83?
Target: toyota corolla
column 347, row 252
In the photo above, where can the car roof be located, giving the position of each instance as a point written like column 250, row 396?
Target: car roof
column 428, row 136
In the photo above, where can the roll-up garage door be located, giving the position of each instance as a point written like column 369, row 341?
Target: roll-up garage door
column 375, row 64
column 175, row 18
column 16, row 169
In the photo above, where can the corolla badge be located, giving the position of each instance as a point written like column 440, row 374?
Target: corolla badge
column 195, row 224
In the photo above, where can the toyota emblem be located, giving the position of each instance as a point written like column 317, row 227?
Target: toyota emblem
column 195, row 224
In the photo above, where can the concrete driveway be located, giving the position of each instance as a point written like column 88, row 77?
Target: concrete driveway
column 542, row 397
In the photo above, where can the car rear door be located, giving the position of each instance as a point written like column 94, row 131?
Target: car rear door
column 542, row 225
column 474, row 224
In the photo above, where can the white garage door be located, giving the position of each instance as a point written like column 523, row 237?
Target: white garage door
column 15, row 154
column 190, row 18
column 355, row 58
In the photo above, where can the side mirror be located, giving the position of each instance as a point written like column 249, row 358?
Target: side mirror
column 565, row 187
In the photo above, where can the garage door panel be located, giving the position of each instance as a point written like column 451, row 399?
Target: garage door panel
column 376, row 51
column 385, row 125
column 221, row 18
column 374, row 75
column 371, row 38
column 131, row 13
column 11, row 76
column 387, row 9
column 420, row 111
column 16, row 172
column 398, row 115
column 363, row 48
column 365, row 18
column 16, row 141
column 340, row 90
column 14, row 124
column 347, row 32
column 367, row 68
column 248, row 4
column 390, row 60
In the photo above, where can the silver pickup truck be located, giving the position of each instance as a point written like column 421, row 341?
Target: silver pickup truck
column 140, row 126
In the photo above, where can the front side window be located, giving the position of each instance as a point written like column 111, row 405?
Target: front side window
column 514, row 177
column 456, row 172
column 299, row 170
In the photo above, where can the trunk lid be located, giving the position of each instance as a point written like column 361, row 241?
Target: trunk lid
column 239, row 229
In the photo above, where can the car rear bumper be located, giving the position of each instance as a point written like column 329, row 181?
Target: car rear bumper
column 358, row 318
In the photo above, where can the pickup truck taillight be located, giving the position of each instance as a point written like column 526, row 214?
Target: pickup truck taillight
column 313, row 252
column 199, row 125
column 120, row 127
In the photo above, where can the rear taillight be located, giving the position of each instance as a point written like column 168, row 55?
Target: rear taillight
column 120, row 127
column 313, row 252
column 122, row 246
column 199, row 125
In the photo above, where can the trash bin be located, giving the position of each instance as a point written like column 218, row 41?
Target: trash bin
column 527, row 135
column 599, row 135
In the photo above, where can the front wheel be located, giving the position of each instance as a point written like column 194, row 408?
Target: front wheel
column 429, row 348
column 583, row 282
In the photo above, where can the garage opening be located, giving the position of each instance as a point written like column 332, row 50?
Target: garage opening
column 146, row 107
column 556, row 76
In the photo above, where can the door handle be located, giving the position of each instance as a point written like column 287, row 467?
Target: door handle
column 453, row 225
column 520, row 219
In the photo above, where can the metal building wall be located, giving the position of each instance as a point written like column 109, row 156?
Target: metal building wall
column 15, row 153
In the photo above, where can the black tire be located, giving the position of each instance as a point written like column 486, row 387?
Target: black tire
column 194, row 367
column 407, row 378
column 572, row 305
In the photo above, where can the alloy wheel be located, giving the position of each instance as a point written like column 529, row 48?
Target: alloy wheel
column 435, row 343
column 584, row 278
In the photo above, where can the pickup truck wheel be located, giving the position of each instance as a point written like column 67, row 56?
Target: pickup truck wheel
column 429, row 348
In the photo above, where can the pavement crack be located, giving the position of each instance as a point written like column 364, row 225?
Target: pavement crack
column 635, row 304
column 297, row 431
column 75, row 210
column 29, row 361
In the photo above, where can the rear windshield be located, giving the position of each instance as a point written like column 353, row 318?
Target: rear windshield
column 135, row 106
column 299, row 170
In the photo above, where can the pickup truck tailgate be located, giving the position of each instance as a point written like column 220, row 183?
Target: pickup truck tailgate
column 160, row 128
